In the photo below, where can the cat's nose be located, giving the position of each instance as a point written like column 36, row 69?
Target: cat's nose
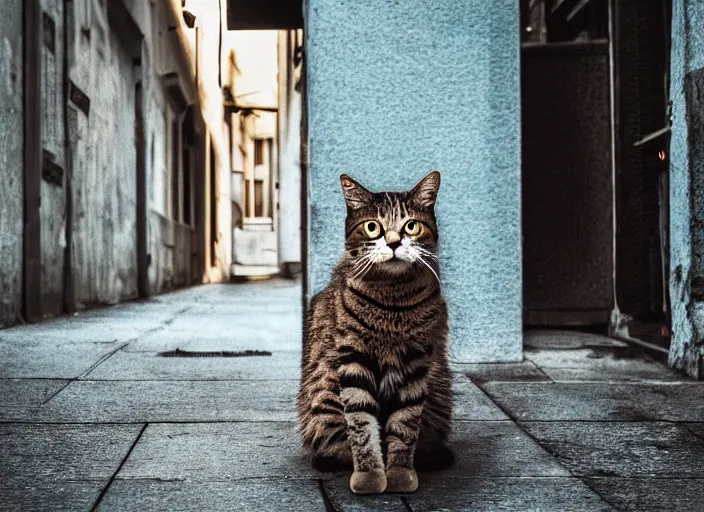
column 393, row 238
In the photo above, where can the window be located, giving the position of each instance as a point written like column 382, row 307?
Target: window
column 259, row 152
column 259, row 198
column 257, row 191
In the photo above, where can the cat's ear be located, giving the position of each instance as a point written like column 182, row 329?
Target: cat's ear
column 425, row 193
column 356, row 195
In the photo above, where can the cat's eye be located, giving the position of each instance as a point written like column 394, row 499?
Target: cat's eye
column 413, row 228
column 372, row 229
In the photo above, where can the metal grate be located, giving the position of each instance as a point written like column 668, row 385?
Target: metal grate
column 187, row 353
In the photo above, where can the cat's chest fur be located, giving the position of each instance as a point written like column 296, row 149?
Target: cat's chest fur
column 389, row 382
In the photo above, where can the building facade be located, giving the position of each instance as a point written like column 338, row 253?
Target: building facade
column 114, row 153
column 263, row 106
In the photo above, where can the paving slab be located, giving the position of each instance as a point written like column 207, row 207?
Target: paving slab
column 636, row 373
column 224, row 451
column 32, row 494
column 59, row 467
column 496, row 448
column 218, row 452
column 502, row 494
column 149, row 366
column 651, row 495
column 337, row 489
column 160, row 401
column 20, row 397
column 257, row 336
column 697, row 429
column 64, row 452
column 470, row 403
column 562, row 339
column 69, row 331
column 622, row 449
column 261, row 316
column 524, row 371
column 599, row 401
column 601, row 364
column 40, row 358
column 253, row 495
column 122, row 322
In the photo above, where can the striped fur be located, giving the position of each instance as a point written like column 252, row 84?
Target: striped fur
column 376, row 389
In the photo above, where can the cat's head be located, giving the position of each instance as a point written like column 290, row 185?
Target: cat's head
column 390, row 234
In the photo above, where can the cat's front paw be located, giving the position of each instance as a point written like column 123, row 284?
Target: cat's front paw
column 368, row 482
column 401, row 479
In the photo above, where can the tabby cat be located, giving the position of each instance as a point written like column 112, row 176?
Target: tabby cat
column 375, row 392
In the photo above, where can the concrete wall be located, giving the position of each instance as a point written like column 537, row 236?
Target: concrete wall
column 289, row 138
column 104, row 162
column 397, row 89
column 11, row 161
column 112, row 46
column 169, row 243
column 687, row 187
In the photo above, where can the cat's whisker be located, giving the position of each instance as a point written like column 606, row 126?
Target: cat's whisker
column 360, row 264
column 425, row 252
column 365, row 269
column 430, row 268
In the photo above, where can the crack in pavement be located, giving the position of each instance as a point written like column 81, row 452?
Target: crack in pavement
column 547, row 449
column 107, row 356
column 122, row 463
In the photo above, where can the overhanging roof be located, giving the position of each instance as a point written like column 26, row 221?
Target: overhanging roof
column 264, row 14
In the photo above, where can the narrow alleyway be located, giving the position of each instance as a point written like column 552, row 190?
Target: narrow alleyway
column 92, row 417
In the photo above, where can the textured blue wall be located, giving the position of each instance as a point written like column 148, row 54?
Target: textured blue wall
column 398, row 88
column 687, row 186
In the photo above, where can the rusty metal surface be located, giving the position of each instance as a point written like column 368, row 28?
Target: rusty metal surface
column 567, row 183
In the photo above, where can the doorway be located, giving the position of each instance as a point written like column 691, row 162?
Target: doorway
column 593, row 78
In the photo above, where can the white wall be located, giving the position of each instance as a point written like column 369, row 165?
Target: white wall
column 289, row 152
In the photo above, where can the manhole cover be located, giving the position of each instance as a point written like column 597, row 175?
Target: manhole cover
column 187, row 353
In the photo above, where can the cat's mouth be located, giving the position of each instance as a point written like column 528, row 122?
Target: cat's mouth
column 391, row 258
column 395, row 264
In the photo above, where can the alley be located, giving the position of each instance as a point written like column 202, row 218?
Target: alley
column 94, row 416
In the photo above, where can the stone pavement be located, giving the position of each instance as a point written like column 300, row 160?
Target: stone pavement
column 91, row 417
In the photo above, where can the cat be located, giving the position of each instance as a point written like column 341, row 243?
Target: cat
column 375, row 394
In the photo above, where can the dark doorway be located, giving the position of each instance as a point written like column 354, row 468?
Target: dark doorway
column 642, row 31
column 213, row 170
column 567, row 165
column 592, row 88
